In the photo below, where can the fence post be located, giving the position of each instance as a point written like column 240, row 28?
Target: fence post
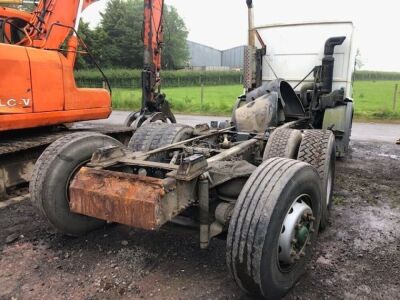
column 202, row 97
column 396, row 88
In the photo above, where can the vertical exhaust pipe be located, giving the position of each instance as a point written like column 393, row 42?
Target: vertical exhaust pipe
column 252, row 35
column 250, row 53
column 328, row 63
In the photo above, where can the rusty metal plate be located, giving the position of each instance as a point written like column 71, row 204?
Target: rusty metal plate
column 118, row 197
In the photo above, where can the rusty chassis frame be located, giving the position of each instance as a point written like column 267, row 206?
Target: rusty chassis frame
column 135, row 189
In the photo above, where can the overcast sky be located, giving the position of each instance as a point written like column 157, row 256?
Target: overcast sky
column 222, row 24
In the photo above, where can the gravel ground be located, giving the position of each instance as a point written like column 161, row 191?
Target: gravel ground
column 357, row 257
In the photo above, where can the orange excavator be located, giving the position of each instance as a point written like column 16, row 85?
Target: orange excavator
column 38, row 93
column 37, row 85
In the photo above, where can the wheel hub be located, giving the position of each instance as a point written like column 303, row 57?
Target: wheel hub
column 296, row 231
column 302, row 235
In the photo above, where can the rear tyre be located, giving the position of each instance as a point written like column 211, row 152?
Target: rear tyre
column 273, row 227
column 283, row 143
column 51, row 177
column 156, row 135
column 318, row 149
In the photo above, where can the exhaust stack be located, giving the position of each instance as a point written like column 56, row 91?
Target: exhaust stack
column 328, row 63
column 250, row 53
column 252, row 34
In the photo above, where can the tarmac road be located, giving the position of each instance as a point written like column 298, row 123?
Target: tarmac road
column 376, row 132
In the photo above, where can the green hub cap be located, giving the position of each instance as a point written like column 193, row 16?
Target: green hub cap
column 302, row 235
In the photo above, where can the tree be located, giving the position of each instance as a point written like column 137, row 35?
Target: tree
column 118, row 41
column 90, row 39
column 176, row 52
column 120, row 34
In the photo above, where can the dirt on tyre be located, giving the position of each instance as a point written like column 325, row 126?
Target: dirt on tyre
column 274, row 227
column 283, row 143
column 156, row 135
column 51, row 177
column 318, row 149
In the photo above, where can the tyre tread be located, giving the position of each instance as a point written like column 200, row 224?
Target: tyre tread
column 278, row 142
column 315, row 149
column 155, row 135
column 244, row 233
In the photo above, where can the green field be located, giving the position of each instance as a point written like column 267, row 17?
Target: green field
column 217, row 100
column 373, row 100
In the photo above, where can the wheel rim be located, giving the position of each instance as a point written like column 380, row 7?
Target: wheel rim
column 72, row 175
column 296, row 232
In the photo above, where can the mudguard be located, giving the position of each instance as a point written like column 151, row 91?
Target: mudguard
column 340, row 121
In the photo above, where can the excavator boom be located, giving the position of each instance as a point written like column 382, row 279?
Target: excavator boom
column 153, row 39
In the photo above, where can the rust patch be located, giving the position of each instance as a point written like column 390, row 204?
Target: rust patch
column 118, row 197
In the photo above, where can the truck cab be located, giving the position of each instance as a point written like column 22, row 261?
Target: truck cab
column 310, row 68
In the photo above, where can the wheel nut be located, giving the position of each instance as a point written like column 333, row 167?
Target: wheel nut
column 293, row 253
column 294, row 241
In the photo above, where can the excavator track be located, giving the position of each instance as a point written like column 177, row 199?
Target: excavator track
column 19, row 151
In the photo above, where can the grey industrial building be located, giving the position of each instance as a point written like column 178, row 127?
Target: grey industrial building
column 202, row 56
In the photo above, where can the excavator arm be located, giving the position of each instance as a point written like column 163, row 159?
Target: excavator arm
column 152, row 40
column 152, row 99
column 155, row 107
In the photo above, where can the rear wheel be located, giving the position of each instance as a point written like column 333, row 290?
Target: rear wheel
column 156, row 135
column 274, row 227
column 52, row 175
column 283, row 143
column 318, row 149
